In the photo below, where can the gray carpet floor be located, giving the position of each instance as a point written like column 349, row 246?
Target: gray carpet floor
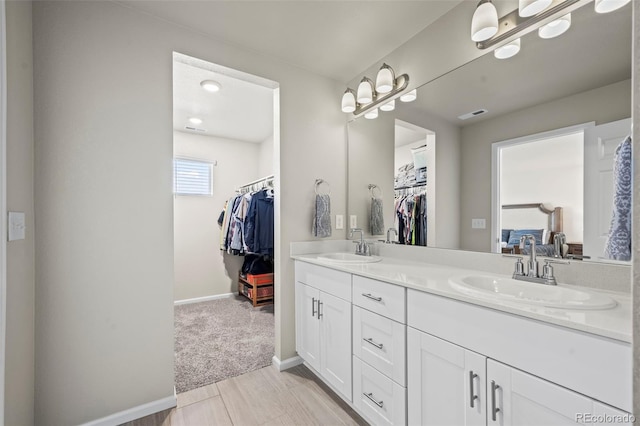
column 219, row 339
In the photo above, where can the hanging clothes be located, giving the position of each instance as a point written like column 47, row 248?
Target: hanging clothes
column 410, row 218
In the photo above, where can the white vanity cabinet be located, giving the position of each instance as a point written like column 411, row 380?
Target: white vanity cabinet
column 379, row 351
column 465, row 367
column 323, row 323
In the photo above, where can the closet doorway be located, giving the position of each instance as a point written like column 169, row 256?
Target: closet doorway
column 223, row 144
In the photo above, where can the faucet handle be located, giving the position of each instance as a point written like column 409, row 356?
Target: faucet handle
column 547, row 270
column 519, row 267
column 559, row 262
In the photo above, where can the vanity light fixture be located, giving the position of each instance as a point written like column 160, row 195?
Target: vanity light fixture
column 484, row 23
column 508, row 50
column 370, row 96
column 195, row 120
column 210, row 85
column 550, row 17
column 606, row 6
column 409, row 96
column 555, row 28
column 389, row 106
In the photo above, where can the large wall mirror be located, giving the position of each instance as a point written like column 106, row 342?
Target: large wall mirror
column 534, row 152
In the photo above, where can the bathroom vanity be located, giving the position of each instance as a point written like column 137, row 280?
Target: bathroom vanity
column 421, row 344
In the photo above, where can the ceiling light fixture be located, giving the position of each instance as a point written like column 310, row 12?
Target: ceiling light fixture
column 210, row 85
column 550, row 17
column 370, row 96
column 555, row 28
column 409, row 96
column 195, row 120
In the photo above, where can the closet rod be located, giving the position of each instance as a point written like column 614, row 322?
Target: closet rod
column 257, row 181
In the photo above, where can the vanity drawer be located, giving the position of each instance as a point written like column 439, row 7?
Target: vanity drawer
column 328, row 280
column 379, row 297
column 380, row 342
column 379, row 399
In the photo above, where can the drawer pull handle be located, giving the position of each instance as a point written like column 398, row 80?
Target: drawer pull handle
column 369, row 296
column 472, row 395
column 313, row 306
column 370, row 341
column 319, row 310
column 370, row 396
column 494, row 409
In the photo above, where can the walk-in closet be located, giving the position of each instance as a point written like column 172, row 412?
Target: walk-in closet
column 224, row 197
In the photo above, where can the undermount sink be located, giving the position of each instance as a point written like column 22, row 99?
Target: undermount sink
column 348, row 258
column 530, row 293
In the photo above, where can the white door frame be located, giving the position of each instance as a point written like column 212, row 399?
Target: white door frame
column 496, row 154
column 3, row 203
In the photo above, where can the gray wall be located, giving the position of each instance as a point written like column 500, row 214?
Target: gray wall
column 104, row 323
column 20, row 352
column 601, row 105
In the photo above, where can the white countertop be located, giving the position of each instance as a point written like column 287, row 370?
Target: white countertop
column 614, row 323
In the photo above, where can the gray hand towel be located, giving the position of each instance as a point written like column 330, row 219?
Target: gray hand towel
column 377, row 217
column 322, row 217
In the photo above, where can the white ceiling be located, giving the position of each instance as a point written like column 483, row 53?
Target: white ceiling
column 241, row 110
column 337, row 39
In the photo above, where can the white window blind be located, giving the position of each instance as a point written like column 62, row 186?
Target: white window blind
column 192, row 177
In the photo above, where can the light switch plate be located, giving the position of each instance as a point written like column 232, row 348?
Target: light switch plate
column 17, row 225
column 353, row 221
column 339, row 221
column 478, row 224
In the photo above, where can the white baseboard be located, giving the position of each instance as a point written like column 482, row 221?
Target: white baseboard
column 136, row 412
column 203, row 299
column 287, row 363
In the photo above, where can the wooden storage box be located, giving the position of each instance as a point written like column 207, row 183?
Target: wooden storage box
column 259, row 279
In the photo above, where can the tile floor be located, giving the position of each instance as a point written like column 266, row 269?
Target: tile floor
column 262, row 397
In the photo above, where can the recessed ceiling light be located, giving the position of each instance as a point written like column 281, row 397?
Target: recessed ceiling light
column 210, row 85
column 195, row 120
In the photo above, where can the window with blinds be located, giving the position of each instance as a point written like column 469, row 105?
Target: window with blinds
column 192, row 177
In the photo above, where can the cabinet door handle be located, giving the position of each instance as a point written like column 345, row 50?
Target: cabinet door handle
column 472, row 394
column 370, row 396
column 319, row 310
column 370, row 341
column 494, row 409
column 313, row 306
column 369, row 296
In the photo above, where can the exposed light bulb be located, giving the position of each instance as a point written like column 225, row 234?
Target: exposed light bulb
column 484, row 23
column 508, row 50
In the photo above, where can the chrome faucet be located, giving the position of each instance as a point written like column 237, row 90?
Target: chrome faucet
column 362, row 248
column 388, row 232
column 532, row 266
column 559, row 240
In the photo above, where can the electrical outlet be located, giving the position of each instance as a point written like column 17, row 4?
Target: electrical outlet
column 478, row 224
column 353, row 221
column 339, row 221
column 16, row 226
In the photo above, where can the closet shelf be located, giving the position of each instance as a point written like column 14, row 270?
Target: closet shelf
column 257, row 288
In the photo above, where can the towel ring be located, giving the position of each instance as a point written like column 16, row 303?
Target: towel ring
column 320, row 182
column 372, row 188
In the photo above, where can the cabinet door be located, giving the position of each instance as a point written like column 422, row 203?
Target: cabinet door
column 308, row 324
column 445, row 382
column 518, row 398
column 335, row 342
